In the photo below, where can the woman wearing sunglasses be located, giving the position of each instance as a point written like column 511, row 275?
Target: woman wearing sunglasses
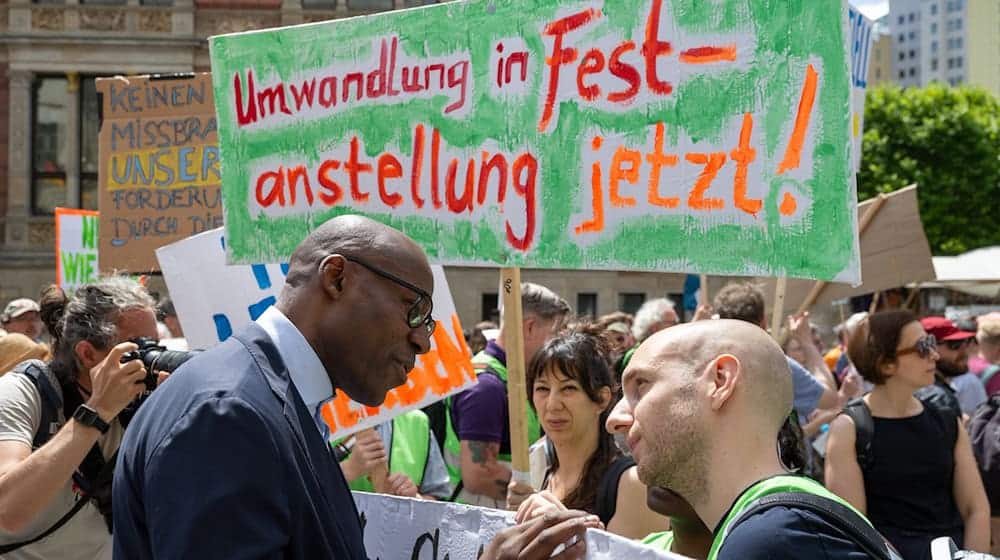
column 918, row 479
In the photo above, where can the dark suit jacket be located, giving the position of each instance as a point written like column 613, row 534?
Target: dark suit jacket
column 225, row 461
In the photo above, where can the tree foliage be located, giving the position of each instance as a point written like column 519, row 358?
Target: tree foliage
column 947, row 141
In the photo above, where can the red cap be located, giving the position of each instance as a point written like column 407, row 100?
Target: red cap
column 943, row 329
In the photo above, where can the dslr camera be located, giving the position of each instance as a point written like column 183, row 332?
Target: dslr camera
column 155, row 358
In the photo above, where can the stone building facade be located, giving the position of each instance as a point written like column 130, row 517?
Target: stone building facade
column 50, row 53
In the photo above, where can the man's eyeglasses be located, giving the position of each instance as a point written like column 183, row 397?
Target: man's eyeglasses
column 419, row 313
column 957, row 344
column 923, row 348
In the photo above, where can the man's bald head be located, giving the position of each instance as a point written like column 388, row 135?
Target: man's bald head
column 355, row 236
column 361, row 293
column 765, row 381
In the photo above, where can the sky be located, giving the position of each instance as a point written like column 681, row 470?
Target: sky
column 874, row 9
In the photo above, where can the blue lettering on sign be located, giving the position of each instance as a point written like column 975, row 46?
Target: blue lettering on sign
column 223, row 327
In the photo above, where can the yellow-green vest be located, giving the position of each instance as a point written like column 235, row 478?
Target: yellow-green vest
column 408, row 451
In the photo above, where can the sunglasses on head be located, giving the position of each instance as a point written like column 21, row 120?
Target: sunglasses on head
column 923, row 348
column 419, row 313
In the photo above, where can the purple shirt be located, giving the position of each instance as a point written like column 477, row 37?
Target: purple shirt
column 480, row 412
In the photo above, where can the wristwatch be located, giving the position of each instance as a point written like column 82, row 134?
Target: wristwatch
column 88, row 417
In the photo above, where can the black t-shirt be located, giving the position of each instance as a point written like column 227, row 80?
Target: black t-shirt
column 782, row 533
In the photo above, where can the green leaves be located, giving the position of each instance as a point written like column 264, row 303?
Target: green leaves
column 947, row 140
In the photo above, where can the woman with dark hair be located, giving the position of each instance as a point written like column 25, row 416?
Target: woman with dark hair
column 917, row 479
column 572, row 389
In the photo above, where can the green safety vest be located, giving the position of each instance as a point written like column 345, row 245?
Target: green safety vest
column 408, row 451
column 773, row 485
column 483, row 363
column 660, row 541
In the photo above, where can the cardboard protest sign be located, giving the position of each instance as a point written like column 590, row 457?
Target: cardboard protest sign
column 404, row 529
column 894, row 253
column 214, row 300
column 159, row 166
column 76, row 247
column 862, row 41
column 619, row 134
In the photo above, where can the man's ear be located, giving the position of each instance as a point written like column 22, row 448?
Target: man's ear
column 331, row 275
column 88, row 354
column 723, row 375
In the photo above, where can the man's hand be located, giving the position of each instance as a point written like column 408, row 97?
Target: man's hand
column 401, row 485
column 798, row 326
column 538, row 504
column 538, row 539
column 114, row 385
column 703, row 312
column 517, row 493
column 367, row 453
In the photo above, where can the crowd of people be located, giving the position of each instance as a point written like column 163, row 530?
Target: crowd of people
column 668, row 433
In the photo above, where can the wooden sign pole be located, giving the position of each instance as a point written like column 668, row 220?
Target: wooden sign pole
column 778, row 312
column 510, row 284
column 703, row 290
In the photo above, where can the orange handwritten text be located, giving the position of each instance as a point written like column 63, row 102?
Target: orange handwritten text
column 444, row 369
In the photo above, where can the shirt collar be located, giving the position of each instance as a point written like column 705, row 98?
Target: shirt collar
column 304, row 367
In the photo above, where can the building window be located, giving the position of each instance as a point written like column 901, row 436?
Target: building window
column 878, row 73
column 630, row 303
column 934, row 64
column 51, row 142
column 369, row 5
column 902, row 20
column 902, row 74
column 913, row 53
column 51, row 99
column 933, row 9
column 913, row 71
column 902, row 56
column 958, row 23
column 913, row 16
column 90, row 127
column 490, row 308
column 319, row 4
column 934, row 46
column 951, row 63
column 103, row 2
column 586, row 305
column 912, row 35
column 934, row 28
column 156, row 2
column 902, row 37
column 959, row 43
column 958, row 62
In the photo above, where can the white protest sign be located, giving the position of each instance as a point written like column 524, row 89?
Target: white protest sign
column 76, row 247
column 405, row 529
column 602, row 545
column 862, row 40
column 214, row 300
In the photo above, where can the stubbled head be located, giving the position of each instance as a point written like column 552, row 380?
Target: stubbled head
column 359, row 291
column 687, row 386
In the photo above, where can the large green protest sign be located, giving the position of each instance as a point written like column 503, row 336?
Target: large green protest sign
column 679, row 135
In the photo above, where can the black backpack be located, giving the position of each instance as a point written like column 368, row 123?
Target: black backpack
column 864, row 428
column 984, row 431
column 852, row 525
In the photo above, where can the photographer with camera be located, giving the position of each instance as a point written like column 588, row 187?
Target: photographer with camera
column 59, row 421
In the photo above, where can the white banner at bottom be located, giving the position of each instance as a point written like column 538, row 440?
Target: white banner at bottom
column 405, row 529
